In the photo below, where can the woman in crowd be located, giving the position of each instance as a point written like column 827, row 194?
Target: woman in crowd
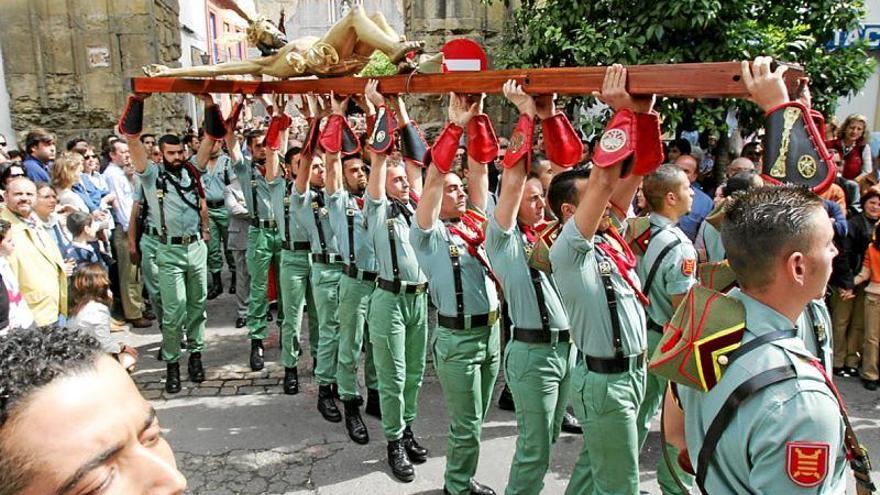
column 14, row 311
column 853, row 147
column 91, row 312
column 871, row 273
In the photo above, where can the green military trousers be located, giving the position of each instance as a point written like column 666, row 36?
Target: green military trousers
column 654, row 390
column 325, row 287
column 218, row 223
column 539, row 377
column 294, row 281
column 607, row 406
column 354, row 300
column 264, row 251
column 183, row 284
column 398, row 326
column 467, row 363
column 150, row 269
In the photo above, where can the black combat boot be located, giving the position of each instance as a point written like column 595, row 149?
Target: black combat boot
column 326, row 404
column 291, row 381
column 357, row 430
column 505, row 400
column 416, row 453
column 373, row 408
column 172, row 378
column 399, row 462
column 232, row 283
column 216, row 286
column 194, row 368
column 257, row 362
column 570, row 423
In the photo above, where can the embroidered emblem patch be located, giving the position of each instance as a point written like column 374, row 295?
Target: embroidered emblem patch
column 806, row 462
column 688, row 266
column 516, row 142
column 613, row 140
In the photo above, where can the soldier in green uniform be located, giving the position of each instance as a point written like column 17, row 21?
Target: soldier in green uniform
column 216, row 169
column 175, row 199
column 767, row 418
column 346, row 183
column 539, row 357
column 595, row 273
column 448, row 241
column 264, row 241
column 309, row 203
column 667, row 270
column 397, row 315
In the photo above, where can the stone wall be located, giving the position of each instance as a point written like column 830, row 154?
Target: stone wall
column 68, row 63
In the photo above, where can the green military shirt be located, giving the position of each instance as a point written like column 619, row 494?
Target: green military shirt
column 400, row 217
column 508, row 255
column 215, row 180
column 576, row 269
column 711, row 240
column 432, row 250
column 814, row 326
column 676, row 272
column 752, row 454
column 267, row 193
column 288, row 223
column 345, row 206
column 180, row 212
column 306, row 206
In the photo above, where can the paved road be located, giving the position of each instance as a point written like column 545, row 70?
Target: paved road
column 238, row 434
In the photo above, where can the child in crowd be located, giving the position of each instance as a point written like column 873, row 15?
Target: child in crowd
column 91, row 312
column 14, row 311
column 870, row 273
column 83, row 249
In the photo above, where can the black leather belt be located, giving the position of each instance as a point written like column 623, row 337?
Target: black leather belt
column 654, row 327
column 357, row 274
column 264, row 224
column 183, row 240
column 610, row 366
column 297, row 246
column 464, row 322
column 398, row 287
column 216, row 204
column 326, row 259
column 539, row 336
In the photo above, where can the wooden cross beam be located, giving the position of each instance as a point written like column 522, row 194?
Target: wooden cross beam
column 697, row 80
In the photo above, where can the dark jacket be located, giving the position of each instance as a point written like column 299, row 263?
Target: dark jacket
column 848, row 263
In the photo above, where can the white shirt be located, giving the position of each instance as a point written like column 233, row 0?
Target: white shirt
column 119, row 184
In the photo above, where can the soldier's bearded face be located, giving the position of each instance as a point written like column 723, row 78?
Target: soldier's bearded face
column 172, row 156
column 104, row 437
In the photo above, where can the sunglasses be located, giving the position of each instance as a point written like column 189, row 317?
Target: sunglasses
column 88, row 157
column 3, row 143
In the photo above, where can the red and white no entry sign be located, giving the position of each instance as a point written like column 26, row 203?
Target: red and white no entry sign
column 464, row 55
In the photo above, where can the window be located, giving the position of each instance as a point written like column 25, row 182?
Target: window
column 212, row 28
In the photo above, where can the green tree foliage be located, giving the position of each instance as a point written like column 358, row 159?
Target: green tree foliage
column 565, row 33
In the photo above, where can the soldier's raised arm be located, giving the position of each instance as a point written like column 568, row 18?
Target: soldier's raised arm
column 461, row 111
column 513, row 178
column 131, row 124
column 379, row 142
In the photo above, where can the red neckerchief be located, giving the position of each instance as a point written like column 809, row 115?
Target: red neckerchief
column 530, row 232
column 625, row 260
column 473, row 237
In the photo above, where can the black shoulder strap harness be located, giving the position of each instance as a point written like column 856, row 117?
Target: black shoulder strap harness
column 605, row 272
column 395, row 209
column 255, row 215
column 195, row 184
column 649, row 280
column 317, row 205
column 287, row 223
column 455, row 259
column 856, row 454
column 535, row 276
column 349, row 220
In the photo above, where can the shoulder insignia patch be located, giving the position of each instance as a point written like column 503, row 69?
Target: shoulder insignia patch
column 688, row 266
column 806, row 462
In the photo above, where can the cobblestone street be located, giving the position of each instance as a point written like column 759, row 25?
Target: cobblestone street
column 238, row 434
